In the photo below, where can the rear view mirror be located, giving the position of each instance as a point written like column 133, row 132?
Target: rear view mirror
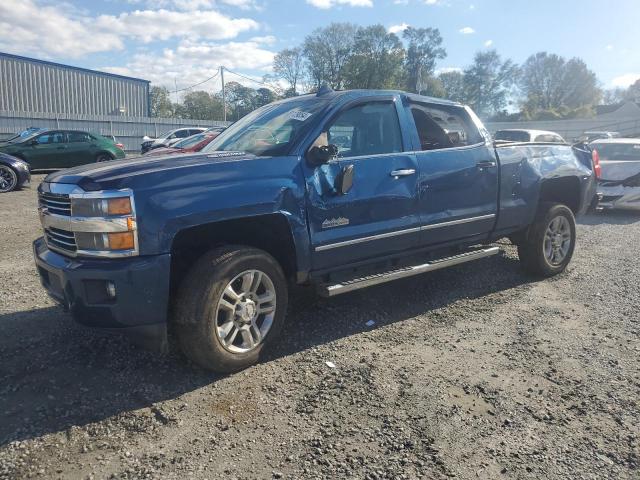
column 321, row 155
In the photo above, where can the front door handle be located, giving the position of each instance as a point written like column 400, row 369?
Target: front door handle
column 405, row 172
column 486, row 164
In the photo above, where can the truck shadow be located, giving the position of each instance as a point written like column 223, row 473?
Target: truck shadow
column 612, row 217
column 54, row 375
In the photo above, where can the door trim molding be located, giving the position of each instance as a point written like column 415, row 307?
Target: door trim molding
column 431, row 226
column 366, row 239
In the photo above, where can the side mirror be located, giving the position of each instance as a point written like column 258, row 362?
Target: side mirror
column 321, row 155
column 344, row 181
column 33, row 142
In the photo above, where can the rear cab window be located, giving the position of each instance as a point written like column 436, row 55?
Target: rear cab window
column 622, row 152
column 442, row 126
column 512, row 136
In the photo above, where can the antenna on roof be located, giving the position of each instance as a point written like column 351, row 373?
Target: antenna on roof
column 324, row 89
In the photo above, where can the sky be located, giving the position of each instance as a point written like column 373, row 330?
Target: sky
column 178, row 43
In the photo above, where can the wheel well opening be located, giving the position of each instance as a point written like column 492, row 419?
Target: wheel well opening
column 562, row 190
column 270, row 233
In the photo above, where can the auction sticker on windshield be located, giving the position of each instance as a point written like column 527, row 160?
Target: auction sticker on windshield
column 299, row 115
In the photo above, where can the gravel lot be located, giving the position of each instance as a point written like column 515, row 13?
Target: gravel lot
column 473, row 372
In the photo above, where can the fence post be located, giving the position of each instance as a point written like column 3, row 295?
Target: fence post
column 57, row 122
column 155, row 124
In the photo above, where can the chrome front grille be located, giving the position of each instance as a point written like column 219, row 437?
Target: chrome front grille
column 57, row 204
column 61, row 239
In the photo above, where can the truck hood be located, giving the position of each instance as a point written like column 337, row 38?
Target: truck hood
column 94, row 176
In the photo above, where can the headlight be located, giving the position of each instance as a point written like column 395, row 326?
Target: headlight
column 91, row 224
column 104, row 223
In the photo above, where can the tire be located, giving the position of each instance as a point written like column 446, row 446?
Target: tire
column 8, row 179
column 103, row 157
column 203, row 308
column 551, row 241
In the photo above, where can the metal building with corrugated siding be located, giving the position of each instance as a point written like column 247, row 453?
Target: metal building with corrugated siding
column 30, row 85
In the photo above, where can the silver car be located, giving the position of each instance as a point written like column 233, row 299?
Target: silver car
column 619, row 184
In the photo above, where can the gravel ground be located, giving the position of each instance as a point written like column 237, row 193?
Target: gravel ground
column 473, row 372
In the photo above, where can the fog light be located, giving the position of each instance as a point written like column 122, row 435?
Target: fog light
column 111, row 290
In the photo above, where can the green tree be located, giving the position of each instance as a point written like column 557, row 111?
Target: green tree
column 551, row 83
column 160, row 101
column 264, row 96
column 288, row 65
column 241, row 100
column 327, row 51
column 424, row 49
column 202, row 106
column 453, row 86
column 488, row 82
column 376, row 61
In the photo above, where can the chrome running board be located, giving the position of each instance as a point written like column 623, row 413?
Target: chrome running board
column 375, row 279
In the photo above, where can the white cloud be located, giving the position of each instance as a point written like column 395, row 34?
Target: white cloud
column 488, row 43
column 26, row 27
column 467, row 31
column 609, row 47
column 325, row 4
column 401, row 2
column 34, row 27
column 431, row 2
column 149, row 25
column 625, row 80
column 192, row 62
column 448, row 70
column 190, row 5
column 398, row 28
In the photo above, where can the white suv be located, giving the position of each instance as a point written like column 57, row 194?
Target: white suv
column 168, row 138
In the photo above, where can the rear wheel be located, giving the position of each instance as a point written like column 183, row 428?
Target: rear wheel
column 549, row 245
column 8, row 179
column 103, row 157
column 230, row 307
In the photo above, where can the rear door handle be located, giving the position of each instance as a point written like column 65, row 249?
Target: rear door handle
column 486, row 164
column 404, row 172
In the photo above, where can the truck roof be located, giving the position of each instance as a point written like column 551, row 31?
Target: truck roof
column 354, row 94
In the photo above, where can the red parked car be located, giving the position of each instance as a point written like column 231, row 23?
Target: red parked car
column 191, row 144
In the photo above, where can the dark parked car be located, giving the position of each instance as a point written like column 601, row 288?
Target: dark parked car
column 14, row 173
column 212, row 241
column 54, row 149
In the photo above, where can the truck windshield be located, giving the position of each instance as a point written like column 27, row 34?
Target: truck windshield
column 270, row 130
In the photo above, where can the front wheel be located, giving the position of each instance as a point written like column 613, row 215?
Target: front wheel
column 551, row 240
column 8, row 179
column 103, row 157
column 230, row 307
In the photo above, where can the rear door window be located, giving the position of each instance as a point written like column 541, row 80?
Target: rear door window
column 77, row 137
column 441, row 126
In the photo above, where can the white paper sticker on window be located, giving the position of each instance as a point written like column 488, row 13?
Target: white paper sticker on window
column 299, row 115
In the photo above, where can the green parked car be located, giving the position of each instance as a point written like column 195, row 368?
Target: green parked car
column 53, row 149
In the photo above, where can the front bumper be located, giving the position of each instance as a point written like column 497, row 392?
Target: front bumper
column 619, row 198
column 139, row 306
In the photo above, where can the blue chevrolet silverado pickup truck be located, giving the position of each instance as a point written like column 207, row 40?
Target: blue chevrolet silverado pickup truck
column 335, row 190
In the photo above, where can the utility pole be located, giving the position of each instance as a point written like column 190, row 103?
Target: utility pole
column 224, row 97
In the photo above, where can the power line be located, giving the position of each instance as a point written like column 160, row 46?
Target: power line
column 200, row 83
column 245, row 77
